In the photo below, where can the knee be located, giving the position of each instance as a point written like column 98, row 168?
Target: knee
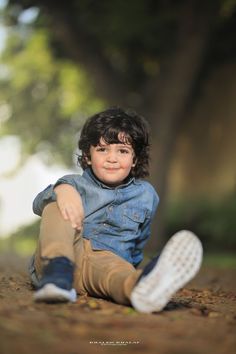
column 50, row 207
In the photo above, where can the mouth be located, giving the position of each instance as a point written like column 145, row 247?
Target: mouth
column 111, row 169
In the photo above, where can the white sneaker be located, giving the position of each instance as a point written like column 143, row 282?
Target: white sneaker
column 52, row 293
column 178, row 263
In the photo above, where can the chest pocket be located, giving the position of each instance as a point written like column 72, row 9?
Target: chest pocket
column 133, row 217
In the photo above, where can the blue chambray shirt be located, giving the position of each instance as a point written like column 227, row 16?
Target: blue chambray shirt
column 117, row 219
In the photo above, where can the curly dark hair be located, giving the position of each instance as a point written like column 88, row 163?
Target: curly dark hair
column 108, row 125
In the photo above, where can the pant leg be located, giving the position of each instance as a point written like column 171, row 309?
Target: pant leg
column 98, row 273
column 103, row 274
column 56, row 237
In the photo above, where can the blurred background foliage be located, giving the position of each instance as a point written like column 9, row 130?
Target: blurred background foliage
column 172, row 61
column 44, row 97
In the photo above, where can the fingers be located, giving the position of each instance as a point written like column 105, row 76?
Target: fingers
column 64, row 213
column 70, row 213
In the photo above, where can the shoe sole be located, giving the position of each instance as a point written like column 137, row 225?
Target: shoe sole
column 178, row 263
column 51, row 293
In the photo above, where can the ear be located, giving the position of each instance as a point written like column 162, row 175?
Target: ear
column 87, row 158
column 134, row 162
column 89, row 161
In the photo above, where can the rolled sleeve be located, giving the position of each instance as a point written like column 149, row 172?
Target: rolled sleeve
column 48, row 195
column 43, row 198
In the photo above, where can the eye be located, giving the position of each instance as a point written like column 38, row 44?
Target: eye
column 124, row 151
column 100, row 149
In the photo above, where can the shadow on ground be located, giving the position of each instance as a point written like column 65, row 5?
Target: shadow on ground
column 200, row 319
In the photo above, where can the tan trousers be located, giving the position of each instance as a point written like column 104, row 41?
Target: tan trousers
column 97, row 273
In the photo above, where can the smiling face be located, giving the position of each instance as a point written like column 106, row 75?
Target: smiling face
column 111, row 163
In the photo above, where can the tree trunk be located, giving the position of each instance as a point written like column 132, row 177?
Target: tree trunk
column 170, row 100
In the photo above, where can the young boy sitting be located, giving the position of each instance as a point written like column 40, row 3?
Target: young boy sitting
column 94, row 226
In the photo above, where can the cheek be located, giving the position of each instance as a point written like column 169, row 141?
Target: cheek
column 128, row 164
column 96, row 162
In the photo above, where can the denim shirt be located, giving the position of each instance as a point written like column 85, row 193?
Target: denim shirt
column 117, row 219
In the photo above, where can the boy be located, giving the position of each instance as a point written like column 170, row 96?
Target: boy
column 94, row 227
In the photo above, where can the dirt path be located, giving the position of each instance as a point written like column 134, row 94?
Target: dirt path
column 200, row 319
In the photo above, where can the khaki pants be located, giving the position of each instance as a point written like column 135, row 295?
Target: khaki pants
column 97, row 273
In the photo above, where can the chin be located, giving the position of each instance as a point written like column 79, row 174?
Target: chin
column 112, row 182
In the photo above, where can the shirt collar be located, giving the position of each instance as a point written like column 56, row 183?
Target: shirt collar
column 88, row 173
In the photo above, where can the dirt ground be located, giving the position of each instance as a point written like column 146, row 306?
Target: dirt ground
column 200, row 319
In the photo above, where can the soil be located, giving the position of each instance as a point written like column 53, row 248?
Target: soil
column 200, row 319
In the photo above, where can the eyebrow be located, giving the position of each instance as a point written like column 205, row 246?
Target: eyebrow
column 128, row 146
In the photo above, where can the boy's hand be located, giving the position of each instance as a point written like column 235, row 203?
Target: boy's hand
column 70, row 205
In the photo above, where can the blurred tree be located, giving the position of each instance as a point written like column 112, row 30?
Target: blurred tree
column 43, row 98
column 145, row 54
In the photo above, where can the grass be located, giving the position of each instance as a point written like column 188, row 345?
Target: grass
column 26, row 247
column 220, row 260
column 22, row 247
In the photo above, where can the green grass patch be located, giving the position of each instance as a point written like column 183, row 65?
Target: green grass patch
column 220, row 260
column 22, row 246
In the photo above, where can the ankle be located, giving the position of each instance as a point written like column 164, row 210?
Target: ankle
column 58, row 271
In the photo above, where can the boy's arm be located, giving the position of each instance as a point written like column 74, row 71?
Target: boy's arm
column 49, row 195
column 70, row 205
column 145, row 231
column 140, row 243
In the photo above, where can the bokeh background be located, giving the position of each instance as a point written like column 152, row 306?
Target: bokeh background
column 171, row 61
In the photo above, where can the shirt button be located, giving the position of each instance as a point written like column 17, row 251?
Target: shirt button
column 110, row 208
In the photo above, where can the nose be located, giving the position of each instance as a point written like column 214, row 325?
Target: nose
column 112, row 157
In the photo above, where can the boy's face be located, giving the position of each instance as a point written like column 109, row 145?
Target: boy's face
column 111, row 163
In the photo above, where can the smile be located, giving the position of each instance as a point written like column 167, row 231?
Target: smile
column 110, row 169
